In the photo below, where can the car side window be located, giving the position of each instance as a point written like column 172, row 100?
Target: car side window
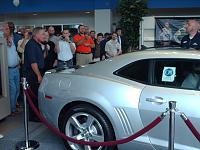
column 137, row 71
column 177, row 73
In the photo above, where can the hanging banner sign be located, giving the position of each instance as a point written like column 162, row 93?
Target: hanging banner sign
column 170, row 31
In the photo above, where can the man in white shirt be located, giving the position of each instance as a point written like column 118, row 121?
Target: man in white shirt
column 113, row 48
column 65, row 49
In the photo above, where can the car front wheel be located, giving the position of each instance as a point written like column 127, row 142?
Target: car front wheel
column 88, row 123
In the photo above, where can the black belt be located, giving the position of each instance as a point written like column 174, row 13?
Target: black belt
column 63, row 61
column 82, row 53
column 14, row 66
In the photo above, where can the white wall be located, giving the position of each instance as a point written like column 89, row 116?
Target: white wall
column 99, row 20
column 103, row 20
column 64, row 18
column 147, row 31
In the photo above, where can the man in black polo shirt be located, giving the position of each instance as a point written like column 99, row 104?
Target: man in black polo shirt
column 34, row 64
column 192, row 40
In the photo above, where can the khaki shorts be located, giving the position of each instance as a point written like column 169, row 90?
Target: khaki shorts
column 83, row 59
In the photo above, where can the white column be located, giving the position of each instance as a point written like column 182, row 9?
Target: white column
column 2, row 18
column 103, row 20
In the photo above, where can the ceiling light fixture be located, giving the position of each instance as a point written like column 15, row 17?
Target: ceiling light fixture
column 16, row 3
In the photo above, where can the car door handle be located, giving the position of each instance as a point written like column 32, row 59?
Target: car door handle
column 156, row 100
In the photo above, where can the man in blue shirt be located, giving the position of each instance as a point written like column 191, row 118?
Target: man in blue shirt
column 13, row 69
column 192, row 40
column 34, row 64
column 16, row 36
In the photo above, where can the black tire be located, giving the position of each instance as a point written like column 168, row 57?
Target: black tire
column 98, row 115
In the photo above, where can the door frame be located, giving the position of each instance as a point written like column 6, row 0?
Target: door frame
column 5, row 98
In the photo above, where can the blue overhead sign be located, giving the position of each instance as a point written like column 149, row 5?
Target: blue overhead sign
column 30, row 6
column 173, row 3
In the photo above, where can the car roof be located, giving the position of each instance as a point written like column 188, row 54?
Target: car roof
column 113, row 64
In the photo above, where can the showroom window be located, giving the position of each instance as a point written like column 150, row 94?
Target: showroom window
column 137, row 71
column 60, row 27
column 57, row 28
column 181, row 73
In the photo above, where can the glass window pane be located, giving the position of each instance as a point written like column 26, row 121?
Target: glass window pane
column 58, row 28
column 178, row 73
column 72, row 28
column 137, row 71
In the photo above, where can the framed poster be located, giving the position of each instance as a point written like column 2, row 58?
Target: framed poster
column 170, row 31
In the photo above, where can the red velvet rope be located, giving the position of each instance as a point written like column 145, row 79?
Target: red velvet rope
column 94, row 144
column 192, row 129
column 32, row 94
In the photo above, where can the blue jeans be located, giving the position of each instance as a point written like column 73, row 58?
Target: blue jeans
column 68, row 63
column 14, row 86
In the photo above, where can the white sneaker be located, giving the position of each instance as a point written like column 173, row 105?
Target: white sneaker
column 1, row 136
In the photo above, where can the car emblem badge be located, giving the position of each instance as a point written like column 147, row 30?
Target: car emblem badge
column 169, row 72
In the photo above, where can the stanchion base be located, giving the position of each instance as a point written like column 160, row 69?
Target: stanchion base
column 31, row 145
column 1, row 136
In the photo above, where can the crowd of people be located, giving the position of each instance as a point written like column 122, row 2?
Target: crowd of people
column 32, row 52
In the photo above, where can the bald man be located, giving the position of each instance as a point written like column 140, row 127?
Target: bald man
column 192, row 40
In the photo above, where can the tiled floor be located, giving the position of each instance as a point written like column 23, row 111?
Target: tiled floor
column 13, row 130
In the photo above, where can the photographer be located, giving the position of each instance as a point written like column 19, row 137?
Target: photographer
column 84, row 44
column 49, row 52
column 65, row 49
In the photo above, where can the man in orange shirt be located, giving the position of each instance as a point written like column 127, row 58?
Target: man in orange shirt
column 84, row 43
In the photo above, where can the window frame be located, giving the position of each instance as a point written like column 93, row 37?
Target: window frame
column 149, row 80
column 171, row 59
column 152, row 72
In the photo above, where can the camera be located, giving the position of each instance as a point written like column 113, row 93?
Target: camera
column 30, row 33
column 86, row 33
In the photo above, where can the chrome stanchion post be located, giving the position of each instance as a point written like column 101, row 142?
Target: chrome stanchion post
column 27, row 144
column 172, row 110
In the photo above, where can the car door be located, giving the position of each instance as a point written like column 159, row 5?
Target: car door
column 168, row 78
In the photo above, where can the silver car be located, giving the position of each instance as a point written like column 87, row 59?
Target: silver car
column 115, row 98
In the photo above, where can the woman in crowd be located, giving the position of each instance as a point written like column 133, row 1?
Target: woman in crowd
column 22, row 44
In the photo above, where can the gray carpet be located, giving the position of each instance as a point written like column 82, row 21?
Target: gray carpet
column 37, row 131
